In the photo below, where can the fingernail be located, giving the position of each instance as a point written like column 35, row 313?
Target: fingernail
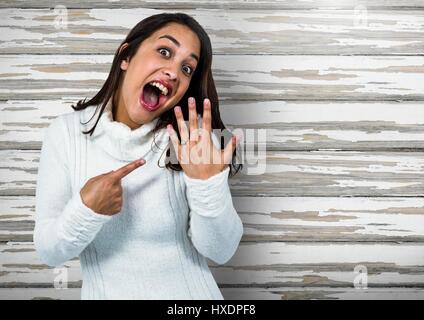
column 177, row 109
column 239, row 137
column 142, row 161
column 191, row 100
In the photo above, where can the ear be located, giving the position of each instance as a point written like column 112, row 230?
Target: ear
column 124, row 63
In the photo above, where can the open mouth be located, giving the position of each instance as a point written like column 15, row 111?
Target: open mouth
column 154, row 95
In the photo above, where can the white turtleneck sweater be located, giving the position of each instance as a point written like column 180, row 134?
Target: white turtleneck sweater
column 156, row 247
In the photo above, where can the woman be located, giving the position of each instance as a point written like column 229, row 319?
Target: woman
column 142, row 223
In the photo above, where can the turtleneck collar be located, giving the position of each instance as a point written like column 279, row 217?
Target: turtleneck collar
column 118, row 140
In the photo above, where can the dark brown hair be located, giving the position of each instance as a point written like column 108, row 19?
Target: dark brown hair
column 201, row 85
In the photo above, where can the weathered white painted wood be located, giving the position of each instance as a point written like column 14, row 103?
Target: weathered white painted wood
column 239, row 77
column 280, row 253
column 294, row 125
column 359, row 231
column 318, row 293
column 272, row 264
column 216, row 4
column 329, row 173
column 23, row 122
column 244, row 294
column 39, row 294
column 329, row 32
column 19, row 172
column 305, row 264
column 17, row 218
column 309, row 276
column 331, row 219
column 282, row 219
column 320, row 173
column 289, row 125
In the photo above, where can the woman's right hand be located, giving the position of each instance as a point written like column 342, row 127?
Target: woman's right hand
column 103, row 193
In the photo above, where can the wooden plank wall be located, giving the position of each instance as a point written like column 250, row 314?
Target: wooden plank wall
column 340, row 94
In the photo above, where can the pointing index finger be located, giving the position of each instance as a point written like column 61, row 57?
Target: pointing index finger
column 128, row 168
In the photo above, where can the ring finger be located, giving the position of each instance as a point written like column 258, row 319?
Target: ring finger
column 192, row 115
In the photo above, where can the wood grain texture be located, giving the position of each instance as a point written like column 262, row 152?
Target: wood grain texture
column 289, row 219
column 23, row 122
column 360, row 126
column 39, row 294
column 331, row 219
column 341, row 100
column 289, row 125
column 261, row 265
column 332, row 173
column 288, row 174
column 328, row 293
column 243, row 294
column 17, row 216
column 239, row 77
column 258, row 32
column 216, row 4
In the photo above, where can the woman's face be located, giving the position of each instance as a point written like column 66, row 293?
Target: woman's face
column 157, row 76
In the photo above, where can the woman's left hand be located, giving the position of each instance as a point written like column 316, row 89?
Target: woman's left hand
column 196, row 153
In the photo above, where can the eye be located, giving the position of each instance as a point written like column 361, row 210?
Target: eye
column 188, row 69
column 165, row 52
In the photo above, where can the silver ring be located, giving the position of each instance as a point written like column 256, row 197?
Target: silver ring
column 183, row 142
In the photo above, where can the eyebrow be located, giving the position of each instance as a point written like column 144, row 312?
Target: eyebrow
column 175, row 41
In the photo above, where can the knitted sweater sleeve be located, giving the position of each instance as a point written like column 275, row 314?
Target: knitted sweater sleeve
column 64, row 226
column 215, row 228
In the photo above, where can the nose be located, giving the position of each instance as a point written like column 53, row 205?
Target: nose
column 170, row 73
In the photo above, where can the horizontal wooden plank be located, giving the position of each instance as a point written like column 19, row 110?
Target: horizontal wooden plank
column 314, row 293
column 23, row 121
column 308, row 264
column 271, row 264
column 288, row 174
column 238, row 77
column 215, row 4
column 289, row 125
column 39, row 294
column 351, row 126
column 243, row 294
column 17, row 219
column 331, row 219
column 282, row 219
column 331, row 173
column 328, row 32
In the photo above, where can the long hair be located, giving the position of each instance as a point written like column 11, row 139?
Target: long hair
column 201, row 85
